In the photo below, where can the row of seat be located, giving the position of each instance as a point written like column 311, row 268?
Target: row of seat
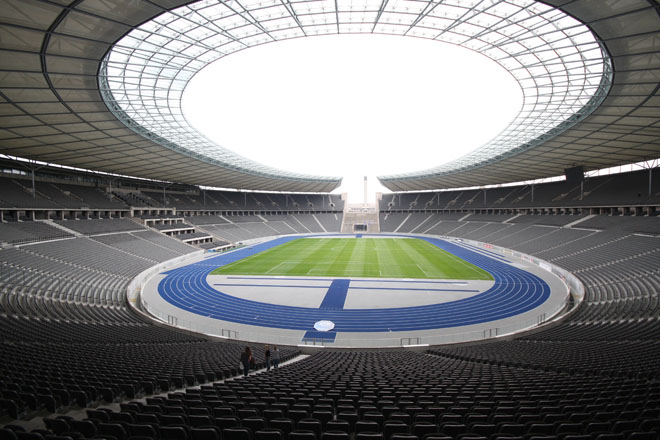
column 388, row 395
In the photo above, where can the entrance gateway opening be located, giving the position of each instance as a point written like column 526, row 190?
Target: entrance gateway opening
column 360, row 217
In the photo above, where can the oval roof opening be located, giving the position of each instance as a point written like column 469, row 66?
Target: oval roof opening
column 352, row 105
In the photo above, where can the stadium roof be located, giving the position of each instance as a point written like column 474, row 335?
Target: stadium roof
column 52, row 52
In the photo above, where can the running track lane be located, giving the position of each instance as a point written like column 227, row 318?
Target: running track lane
column 514, row 291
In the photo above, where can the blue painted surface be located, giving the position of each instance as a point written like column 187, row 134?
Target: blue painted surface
column 406, row 289
column 514, row 291
column 335, row 297
column 288, row 286
column 315, row 334
column 278, row 278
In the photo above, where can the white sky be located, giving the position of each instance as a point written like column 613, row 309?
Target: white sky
column 352, row 105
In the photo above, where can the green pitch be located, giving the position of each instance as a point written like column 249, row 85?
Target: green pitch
column 357, row 257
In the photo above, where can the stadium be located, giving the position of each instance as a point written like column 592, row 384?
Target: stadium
column 512, row 293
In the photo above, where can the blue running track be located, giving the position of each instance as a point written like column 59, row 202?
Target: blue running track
column 515, row 291
column 336, row 296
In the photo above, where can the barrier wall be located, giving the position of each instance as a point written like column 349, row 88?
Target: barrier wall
column 575, row 285
column 135, row 287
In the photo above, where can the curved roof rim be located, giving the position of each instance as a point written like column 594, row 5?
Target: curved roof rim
column 130, row 123
column 458, row 166
column 534, row 41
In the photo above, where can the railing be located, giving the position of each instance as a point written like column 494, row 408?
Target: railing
column 40, row 238
column 195, row 326
column 491, row 333
column 315, row 342
column 410, row 341
column 229, row 334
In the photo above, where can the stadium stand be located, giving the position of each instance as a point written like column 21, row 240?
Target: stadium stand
column 191, row 235
column 206, row 220
column 76, row 363
column 281, row 223
column 174, row 226
column 101, row 226
column 257, row 229
column 20, row 232
column 136, row 246
column 163, row 241
column 230, row 232
column 308, row 223
column 625, row 189
column 64, row 313
column 244, row 218
column 90, row 197
column 400, row 395
column 16, row 195
column 329, row 222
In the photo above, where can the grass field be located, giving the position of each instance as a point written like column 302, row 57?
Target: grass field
column 361, row 257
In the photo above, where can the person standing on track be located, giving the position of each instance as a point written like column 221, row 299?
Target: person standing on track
column 267, row 354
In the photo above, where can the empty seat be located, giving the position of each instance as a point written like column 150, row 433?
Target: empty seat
column 338, row 425
column 390, row 429
column 269, row 434
column 57, row 426
column 401, row 436
column 204, row 434
column 237, row 433
column 366, row 426
column 310, row 424
column 302, row 435
column 254, row 423
column 369, row 436
column 335, row 435
column 138, row 430
column 173, row 433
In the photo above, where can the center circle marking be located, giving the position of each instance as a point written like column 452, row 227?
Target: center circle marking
column 324, row 325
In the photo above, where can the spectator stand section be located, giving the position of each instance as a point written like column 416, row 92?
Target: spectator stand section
column 68, row 339
column 632, row 193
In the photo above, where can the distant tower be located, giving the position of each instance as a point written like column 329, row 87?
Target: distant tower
column 365, row 190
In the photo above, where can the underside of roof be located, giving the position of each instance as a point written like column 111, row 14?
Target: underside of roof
column 51, row 108
column 623, row 129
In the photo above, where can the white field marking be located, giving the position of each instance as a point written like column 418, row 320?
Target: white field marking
column 314, row 270
column 420, row 268
column 465, row 263
column 249, row 258
column 275, row 267
column 460, row 260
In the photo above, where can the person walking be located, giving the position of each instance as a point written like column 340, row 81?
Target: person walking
column 276, row 357
column 247, row 360
column 267, row 358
